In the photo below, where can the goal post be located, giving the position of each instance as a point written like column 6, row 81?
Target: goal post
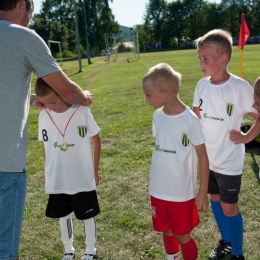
column 133, row 35
column 49, row 44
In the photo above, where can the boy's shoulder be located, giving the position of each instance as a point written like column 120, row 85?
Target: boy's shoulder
column 237, row 79
column 233, row 80
column 158, row 111
column 42, row 112
column 187, row 113
column 203, row 80
column 193, row 117
column 78, row 107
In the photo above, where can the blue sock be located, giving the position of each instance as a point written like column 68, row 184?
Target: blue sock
column 220, row 219
column 235, row 230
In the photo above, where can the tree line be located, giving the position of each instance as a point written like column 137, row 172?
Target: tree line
column 170, row 24
column 56, row 22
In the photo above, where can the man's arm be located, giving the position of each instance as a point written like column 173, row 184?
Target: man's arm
column 253, row 115
column 67, row 89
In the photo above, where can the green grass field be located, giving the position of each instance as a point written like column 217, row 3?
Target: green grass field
column 124, row 225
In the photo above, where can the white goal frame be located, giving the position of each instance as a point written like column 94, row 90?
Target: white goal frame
column 49, row 44
column 115, row 36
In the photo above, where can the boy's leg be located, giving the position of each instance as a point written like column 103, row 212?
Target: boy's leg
column 66, row 228
column 90, row 235
column 229, row 203
column 171, row 246
column 220, row 219
column 161, row 222
column 86, row 208
column 224, row 245
column 189, row 249
column 182, row 223
column 229, row 187
column 235, row 228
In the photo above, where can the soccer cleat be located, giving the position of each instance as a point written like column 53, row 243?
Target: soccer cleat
column 68, row 256
column 221, row 250
column 237, row 257
column 89, row 257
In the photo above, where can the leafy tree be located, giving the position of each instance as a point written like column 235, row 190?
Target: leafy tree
column 254, row 23
column 207, row 18
column 182, row 19
column 154, row 18
column 56, row 22
column 100, row 20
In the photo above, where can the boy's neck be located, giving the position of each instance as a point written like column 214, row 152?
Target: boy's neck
column 174, row 108
column 66, row 107
column 220, row 78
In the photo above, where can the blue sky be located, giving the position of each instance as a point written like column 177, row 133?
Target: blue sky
column 127, row 12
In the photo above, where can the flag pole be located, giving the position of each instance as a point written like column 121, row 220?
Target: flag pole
column 244, row 34
column 241, row 62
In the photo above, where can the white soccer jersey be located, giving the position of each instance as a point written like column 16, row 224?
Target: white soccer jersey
column 69, row 171
column 222, row 108
column 173, row 173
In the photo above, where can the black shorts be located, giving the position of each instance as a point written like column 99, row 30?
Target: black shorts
column 227, row 186
column 84, row 204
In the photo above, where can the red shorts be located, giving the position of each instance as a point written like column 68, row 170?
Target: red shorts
column 180, row 217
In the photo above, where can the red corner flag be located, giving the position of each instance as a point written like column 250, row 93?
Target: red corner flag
column 244, row 33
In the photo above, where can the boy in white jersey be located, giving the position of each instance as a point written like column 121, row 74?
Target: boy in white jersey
column 220, row 101
column 71, row 171
column 179, row 145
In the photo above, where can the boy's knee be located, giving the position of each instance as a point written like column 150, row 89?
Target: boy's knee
column 183, row 239
column 168, row 233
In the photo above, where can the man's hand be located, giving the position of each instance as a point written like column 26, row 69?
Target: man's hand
column 34, row 102
column 89, row 97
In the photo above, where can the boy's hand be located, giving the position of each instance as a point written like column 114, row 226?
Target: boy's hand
column 202, row 201
column 237, row 137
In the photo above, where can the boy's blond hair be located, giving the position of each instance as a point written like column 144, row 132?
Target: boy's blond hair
column 162, row 76
column 43, row 89
column 257, row 87
column 220, row 38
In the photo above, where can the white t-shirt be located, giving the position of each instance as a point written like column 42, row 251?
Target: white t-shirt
column 222, row 108
column 173, row 173
column 70, row 171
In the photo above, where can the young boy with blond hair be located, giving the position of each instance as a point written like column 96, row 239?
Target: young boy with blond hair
column 178, row 147
column 71, row 166
column 220, row 101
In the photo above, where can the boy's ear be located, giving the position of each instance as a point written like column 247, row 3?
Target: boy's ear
column 165, row 93
column 225, row 58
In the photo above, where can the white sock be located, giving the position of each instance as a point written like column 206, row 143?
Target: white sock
column 66, row 228
column 175, row 256
column 91, row 235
